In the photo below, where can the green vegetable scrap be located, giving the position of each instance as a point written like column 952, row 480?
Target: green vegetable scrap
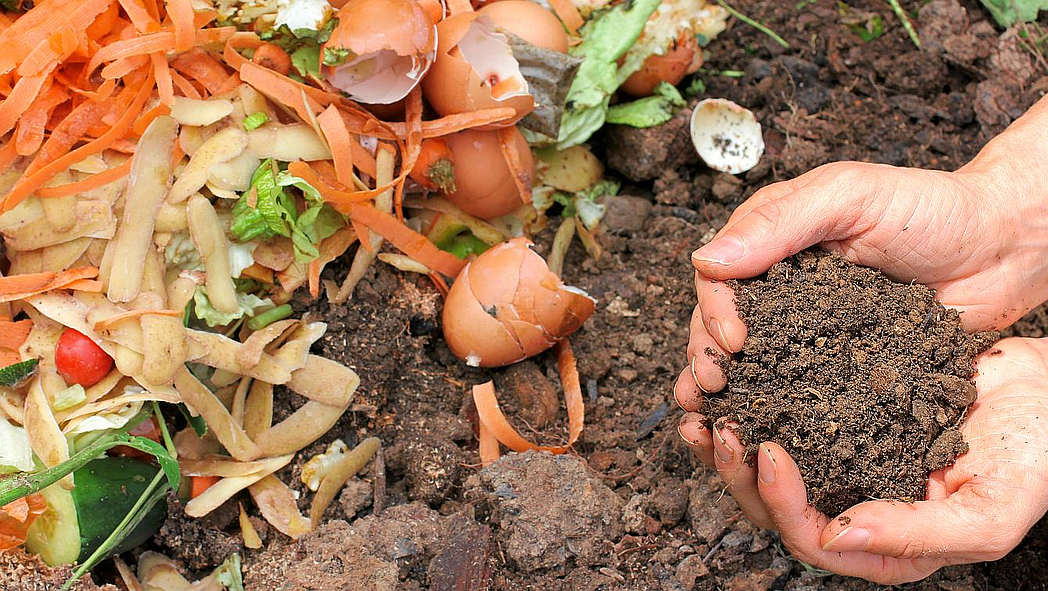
column 605, row 39
column 255, row 120
column 650, row 111
column 16, row 373
column 1009, row 12
column 303, row 45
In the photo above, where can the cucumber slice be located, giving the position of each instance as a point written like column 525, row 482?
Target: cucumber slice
column 77, row 522
column 55, row 535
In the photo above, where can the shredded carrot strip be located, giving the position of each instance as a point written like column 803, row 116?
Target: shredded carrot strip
column 8, row 155
column 17, row 287
column 198, row 65
column 337, row 196
column 124, row 66
column 441, row 285
column 232, row 81
column 92, row 182
column 21, row 97
column 489, row 446
column 330, row 249
column 185, row 86
column 453, row 123
column 13, row 334
column 8, row 357
column 30, row 133
column 26, row 33
column 143, row 122
column 491, row 415
column 413, row 120
column 163, row 41
column 92, row 285
column 181, row 14
column 410, row 242
column 104, row 23
column 334, row 128
column 280, row 88
column 105, row 322
column 30, row 183
column 164, row 87
column 16, row 517
column 521, row 177
column 140, row 17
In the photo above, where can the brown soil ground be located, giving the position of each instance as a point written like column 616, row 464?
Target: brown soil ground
column 630, row 509
column 864, row 384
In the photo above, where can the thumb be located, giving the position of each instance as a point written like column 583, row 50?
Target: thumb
column 783, row 219
column 973, row 524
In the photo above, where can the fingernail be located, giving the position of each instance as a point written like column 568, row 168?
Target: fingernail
column 852, row 539
column 721, row 449
column 766, row 469
column 687, row 420
column 722, row 251
column 718, row 329
column 695, row 375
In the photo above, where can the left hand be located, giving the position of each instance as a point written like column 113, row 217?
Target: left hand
column 976, row 510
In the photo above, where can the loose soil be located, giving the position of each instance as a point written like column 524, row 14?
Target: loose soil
column 630, row 509
column 863, row 380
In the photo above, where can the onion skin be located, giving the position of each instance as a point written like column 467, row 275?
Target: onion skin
column 529, row 21
column 680, row 60
column 484, row 185
column 506, row 306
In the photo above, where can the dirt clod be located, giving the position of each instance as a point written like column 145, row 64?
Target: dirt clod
column 25, row 572
column 641, row 154
column 863, row 380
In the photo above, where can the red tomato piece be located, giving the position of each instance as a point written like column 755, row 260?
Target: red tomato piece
column 80, row 360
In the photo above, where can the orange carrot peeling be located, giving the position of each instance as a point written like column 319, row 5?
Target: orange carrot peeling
column 162, row 71
column 410, row 242
column 334, row 128
column 92, row 182
column 17, row 287
column 181, row 14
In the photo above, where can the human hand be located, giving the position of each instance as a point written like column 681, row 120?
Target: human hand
column 976, row 510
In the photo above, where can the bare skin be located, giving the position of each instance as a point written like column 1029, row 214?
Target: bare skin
column 979, row 237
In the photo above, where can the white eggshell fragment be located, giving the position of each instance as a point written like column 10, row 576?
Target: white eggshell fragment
column 726, row 136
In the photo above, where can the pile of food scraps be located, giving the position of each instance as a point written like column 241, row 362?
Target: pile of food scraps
column 172, row 173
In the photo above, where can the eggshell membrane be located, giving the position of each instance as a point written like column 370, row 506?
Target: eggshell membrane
column 671, row 67
column 727, row 137
column 452, row 86
column 483, row 181
column 507, row 305
column 529, row 21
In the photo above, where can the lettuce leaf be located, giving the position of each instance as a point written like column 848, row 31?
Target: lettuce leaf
column 605, row 39
column 650, row 111
column 69, row 397
column 250, row 304
column 1008, row 12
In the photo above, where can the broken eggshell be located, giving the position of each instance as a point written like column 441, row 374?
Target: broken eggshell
column 475, row 69
column 387, row 47
column 726, row 136
column 506, row 306
column 484, row 185
column 529, row 21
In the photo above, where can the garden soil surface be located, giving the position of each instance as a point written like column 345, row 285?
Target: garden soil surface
column 630, row 508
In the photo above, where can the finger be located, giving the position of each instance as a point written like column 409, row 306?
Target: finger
column 692, row 429
column 740, row 476
column 822, row 205
column 686, row 391
column 704, row 352
column 801, row 525
column 974, row 524
column 720, row 316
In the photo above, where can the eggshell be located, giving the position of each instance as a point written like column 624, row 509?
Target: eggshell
column 484, row 186
column 506, row 306
column 726, row 136
column 672, row 67
column 454, row 86
column 391, row 44
column 529, row 21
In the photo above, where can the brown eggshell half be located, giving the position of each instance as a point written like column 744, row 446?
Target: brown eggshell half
column 529, row 21
column 367, row 26
column 484, row 185
column 506, row 306
column 670, row 67
column 452, row 86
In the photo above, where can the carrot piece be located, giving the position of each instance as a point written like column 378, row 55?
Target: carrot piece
column 13, row 334
column 104, row 23
column 140, row 17
column 330, row 249
column 92, row 182
column 441, row 285
column 162, row 71
column 124, row 66
column 16, row 517
column 17, row 287
column 8, row 357
column 334, row 128
column 521, row 177
column 198, row 484
column 181, row 14
column 198, row 65
column 91, row 285
column 38, row 24
column 337, row 196
column 281, row 89
column 27, row 184
column 454, row 123
column 489, row 446
column 30, row 132
column 143, row 122
column 232, row 81
column 163, row 41
column 185, row 86
column 106, row 322
column 272, row 56
column 568, row 14
column 410, row 242
column 18, row 102
column 413, row 147
column 8, row 155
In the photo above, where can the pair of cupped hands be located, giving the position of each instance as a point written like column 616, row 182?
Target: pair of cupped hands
column 979, row 237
